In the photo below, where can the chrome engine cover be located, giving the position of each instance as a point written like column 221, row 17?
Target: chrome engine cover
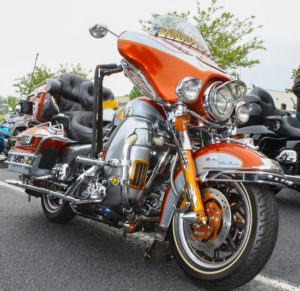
column 136, row 118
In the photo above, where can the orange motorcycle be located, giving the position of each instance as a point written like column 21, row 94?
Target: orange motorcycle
column 165, row 163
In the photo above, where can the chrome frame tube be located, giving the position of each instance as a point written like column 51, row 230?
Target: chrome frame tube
column 157, row 169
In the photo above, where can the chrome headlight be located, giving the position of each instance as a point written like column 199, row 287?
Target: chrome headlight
column 188, row 89
column 242, row 112
column 220, row 101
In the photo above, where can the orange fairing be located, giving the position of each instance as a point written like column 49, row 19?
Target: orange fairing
column 165, row 62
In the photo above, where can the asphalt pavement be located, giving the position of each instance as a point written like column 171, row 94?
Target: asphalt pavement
column 36, row 254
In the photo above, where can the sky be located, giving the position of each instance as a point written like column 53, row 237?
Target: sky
column 58, row 31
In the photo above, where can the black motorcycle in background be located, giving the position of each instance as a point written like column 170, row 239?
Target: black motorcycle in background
column 8, row 135
column 275, row 132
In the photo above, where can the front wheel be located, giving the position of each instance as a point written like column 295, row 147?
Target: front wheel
column 237, row 240
column 57, row 210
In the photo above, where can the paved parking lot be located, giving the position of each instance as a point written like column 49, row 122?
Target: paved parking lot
column 36, row 254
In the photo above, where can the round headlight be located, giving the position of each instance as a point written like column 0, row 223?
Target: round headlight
column 188, row 89
column 220, row 103
column 242, row 112
column 220, row 100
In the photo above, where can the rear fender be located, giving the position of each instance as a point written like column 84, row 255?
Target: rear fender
column 213, row 161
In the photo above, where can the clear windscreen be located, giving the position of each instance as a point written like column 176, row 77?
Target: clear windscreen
column 178, row 29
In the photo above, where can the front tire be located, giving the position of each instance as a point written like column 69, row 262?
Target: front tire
column 57, row 210
column 237, row 241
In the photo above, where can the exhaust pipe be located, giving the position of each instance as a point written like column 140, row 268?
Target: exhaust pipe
column 43, row 191
column 55, row 194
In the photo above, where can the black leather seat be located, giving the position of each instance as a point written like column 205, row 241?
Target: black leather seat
column 289, row 127
column 67, row 85
column 81, row 127
column 266, row 102
column 87, row 95
column 76, row 103
column 76, row 93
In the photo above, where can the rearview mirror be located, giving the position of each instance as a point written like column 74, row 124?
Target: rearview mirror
column 98, row 30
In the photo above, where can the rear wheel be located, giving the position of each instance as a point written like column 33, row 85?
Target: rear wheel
column 237, row 241
column 56, row 209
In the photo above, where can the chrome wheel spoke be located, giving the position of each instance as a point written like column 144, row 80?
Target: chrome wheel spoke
column 238, row 225
column 231, row 242
column 237, row 206
column 217, row 254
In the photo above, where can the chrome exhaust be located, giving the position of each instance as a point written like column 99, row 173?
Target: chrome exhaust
column 55, row 194
column 43, row 191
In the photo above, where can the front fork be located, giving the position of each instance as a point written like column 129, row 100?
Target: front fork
column 189, row 169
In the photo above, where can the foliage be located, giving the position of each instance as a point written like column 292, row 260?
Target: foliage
column 41, row 73
column 294, row 103
column 293, row 76
column 134, row 93
column 12, row 101
column 229, row 39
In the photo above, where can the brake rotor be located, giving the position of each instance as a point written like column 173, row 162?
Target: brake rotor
column 211, row 235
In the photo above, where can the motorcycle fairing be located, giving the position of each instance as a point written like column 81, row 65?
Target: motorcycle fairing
column 164, row 63
column 247, row 165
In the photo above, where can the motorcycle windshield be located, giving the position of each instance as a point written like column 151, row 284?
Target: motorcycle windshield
column 179, row 29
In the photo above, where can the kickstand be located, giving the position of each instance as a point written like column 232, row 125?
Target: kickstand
column 159, row 251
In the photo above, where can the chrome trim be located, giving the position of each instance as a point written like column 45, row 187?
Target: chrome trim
column 50, row 137
column 139, row 80
column 250, row 177
column 243, row 141
column 206, row 102
column 287, row 156
column 20, row 154
column 205, row 121
column 18, row 164
column 41, row 190
column 65, row 196
column 173, row 186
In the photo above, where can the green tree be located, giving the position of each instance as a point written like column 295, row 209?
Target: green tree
column 73, row 69
column 13, row 102
column 3, row 100
column 41, row 73
column 134, row 93
column 229, row 39
column 293, row 76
